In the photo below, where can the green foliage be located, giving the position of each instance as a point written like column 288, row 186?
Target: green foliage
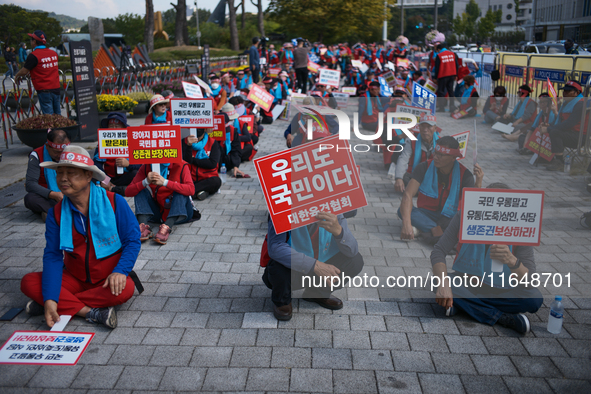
column 472, row 10
column 486, row 25
column 498, row 16
column 465, row 24
column 131, row 26
column 16, row 22
column 66, row 21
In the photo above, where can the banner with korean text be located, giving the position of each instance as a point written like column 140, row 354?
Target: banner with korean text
column 260, row 97
column 45, row 347
column 501, row 216
column 219, row 128
column 112, row 143
column 462, row 139
column 192, row 112
column 423, row 97
column 329, row 77
column 154, row 144
column 540, row 143
column 314, row 177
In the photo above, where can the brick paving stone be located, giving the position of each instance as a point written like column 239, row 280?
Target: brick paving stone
column 288, row 357
column 225, row 320
column 440, row 383
column 465, row 344
column 163, row 336
column 211, row 356
column 93, row 376
column 494, row 365
column 140, row 378
column 201, row 337
column 543, row 347
column 389, row 340
column 435, row 325
column 451, row 363
column 350, row 339
column 504, row 346
column 372, row 359
column 313, row 338
column 354, row 382
column 323, row 358
column 259, row 320
column 225, row 379
column 398, row 382
column 368, row 323
column 182, row 379
column 483, row 384
column 573, row 368
column 427, row 342
column 268, row 379
column 132, row 355
column 412, row 361
column 332, row 322
column 275, row 337
column 527, row 385
column 251, row 357
column 234, row 337
column 311, row 380
column 541, row 367
column 17, row 375
column 172, row 356
column 569, row 386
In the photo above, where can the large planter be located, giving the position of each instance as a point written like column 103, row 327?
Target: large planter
column 25, row 102
column 141, row 109
column 37, row 137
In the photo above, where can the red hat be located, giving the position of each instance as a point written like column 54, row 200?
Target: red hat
column 572, row 85
column 268, row 80
column 38, row 35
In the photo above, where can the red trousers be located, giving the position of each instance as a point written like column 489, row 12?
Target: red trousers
column 75, row 295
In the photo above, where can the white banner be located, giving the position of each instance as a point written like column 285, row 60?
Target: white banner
column 192, row 90
column 112, row 143
column 192, row 112
column 329, row 77
column 45, row 347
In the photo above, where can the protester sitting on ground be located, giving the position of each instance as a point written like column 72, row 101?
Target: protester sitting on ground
column 417, row 77
column 370, row 105
column 248, row 140
column 464, row 70
column 297, row 253
column 118, row 182
column 162, row 197
column 203, row 153
column 92, row 245
column 439, row 182
column 40, row 183
column 267, row 116
column 469, row 100
column 490, row 303
column 522, row 115
column 545, row 117
column 416, row 152
column 566, row 128
column 241, row 109
column 227, row 85
column 244, row 80
column 232, row 148
column 217, row 93
column 327, row 96
column 496, row 105
column 158, row 113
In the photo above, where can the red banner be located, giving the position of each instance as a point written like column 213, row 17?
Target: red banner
column 219, row 128
column 154, row 144
column 260, row 97
column 249, row 120
column 274, row 72
column 311, row 178
column 540, row 144
column 552, row 92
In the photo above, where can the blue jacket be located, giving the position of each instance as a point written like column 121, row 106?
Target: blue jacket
column 253, row 57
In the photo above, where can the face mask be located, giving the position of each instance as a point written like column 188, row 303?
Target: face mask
column 214, row 86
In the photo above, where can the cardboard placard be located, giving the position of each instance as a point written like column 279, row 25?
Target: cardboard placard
column 342, row 99
column 274, row 72
column 540, row 143
column 313, row 67
column 462, row 139
column 285, row 115
column 260, row 97
column 192, row 90
column 201, row 83
column 432, row 86
column 351, row 90
column 192, row 112
column 154, row 144
column 302, row 181
column 501, row 216
column 219, row 128
column 329, row 77
column 249, row 119
column 277, row 111
column 356, row 63
column 112, row 144
column 423, row 97
column 462, row 113
column 390, row 78
column 45, row 347
column 503, row 128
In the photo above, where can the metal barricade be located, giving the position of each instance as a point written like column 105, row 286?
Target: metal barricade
column 584, row 145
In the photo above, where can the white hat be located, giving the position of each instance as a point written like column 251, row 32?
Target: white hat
column 157, row 99
column 229, row 110
column 75, row 156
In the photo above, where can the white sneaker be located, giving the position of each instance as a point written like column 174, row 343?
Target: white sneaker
column 392, row 171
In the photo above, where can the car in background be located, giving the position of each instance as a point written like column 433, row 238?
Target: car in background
column 553, row 48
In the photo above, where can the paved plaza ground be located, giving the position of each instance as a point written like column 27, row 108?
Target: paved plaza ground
column 204, row 322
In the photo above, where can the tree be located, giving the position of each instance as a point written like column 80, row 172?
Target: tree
column 472, row 10
column 261, row 23
column 234, row 44
column 516, row 11
column 16, row 22
column 465, row 24
column 130, row 25
column 181, row 35
column 486, row 25
column 149, row 26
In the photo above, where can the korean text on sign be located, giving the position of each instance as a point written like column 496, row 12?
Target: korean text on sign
column 219, row 128
column 499, row 216
column 192, row 112
column 260, row 97
column 308, row 179
column 329, row 77
column 112, row 143
column 45, row 347
column 154, row 144
column 424, row 98
column 462, row 139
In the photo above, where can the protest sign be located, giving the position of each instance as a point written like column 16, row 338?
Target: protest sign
column 503, row 128
column 552, row 92
column 314, row 177
column 191, row 90
column 391, row 65
column 260, row 97
column 410, row 110
column 201, row 83
column 351, row 90
column 154, row 144
column 45, row 347
column 342, row 99
column 249, row 119
column 501, row 216
column 112, row 144
column 286, row 111
column 378, row 64
column 277, row 111
column 462, row 139
column 329, row 77
column 390, row 78
column 262, row 61
column 192, row 112
column 540, row 143
column 461, row 113
column 219, row 128
column 385, row 90
column 313, row 67
column 356, row 63
column 400, row 62
column 274, row 72
column 432, row 86
column 423, row 97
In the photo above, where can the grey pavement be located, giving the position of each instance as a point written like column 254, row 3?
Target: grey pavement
column 204, row 322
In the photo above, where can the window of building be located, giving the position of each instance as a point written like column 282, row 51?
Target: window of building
column 509, row 6
column 494, row 7
column 509, row 17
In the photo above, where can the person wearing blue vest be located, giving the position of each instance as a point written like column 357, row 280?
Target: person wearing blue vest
column 567, row 126
column 323, row 249
column 416, row 152
column 40, row 183
column 545, row 116
column 439, row 183
column 490, row 303
column 523, row 113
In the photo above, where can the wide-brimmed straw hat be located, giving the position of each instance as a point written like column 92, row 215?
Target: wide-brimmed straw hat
column 157, row 99
column 75, row 156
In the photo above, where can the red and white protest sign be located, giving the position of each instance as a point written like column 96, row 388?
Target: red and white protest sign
column 552, row 92
column 313, row 67
column 219, row 128
column 329, row 77
column 112, row 143
column 311, row 178
column 540, row 143
column 274, row 72
column 192, row 112
column 462, row 139
column 154, row 144
column 462, row 113
column 501, row 216
column 260, row 97
column 45, row 347
column 249, row 120
column 192, row 90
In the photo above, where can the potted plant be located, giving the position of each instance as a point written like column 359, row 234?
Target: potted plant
column 175, row 86
column 108, row 103
column 143, row 103
column 33, row 131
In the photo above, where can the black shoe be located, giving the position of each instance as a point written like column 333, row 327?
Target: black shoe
column 331, row 302
column 518, row 322
column 282, row 313
column 202, row 195
column 105, row 316
column 34, row 309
